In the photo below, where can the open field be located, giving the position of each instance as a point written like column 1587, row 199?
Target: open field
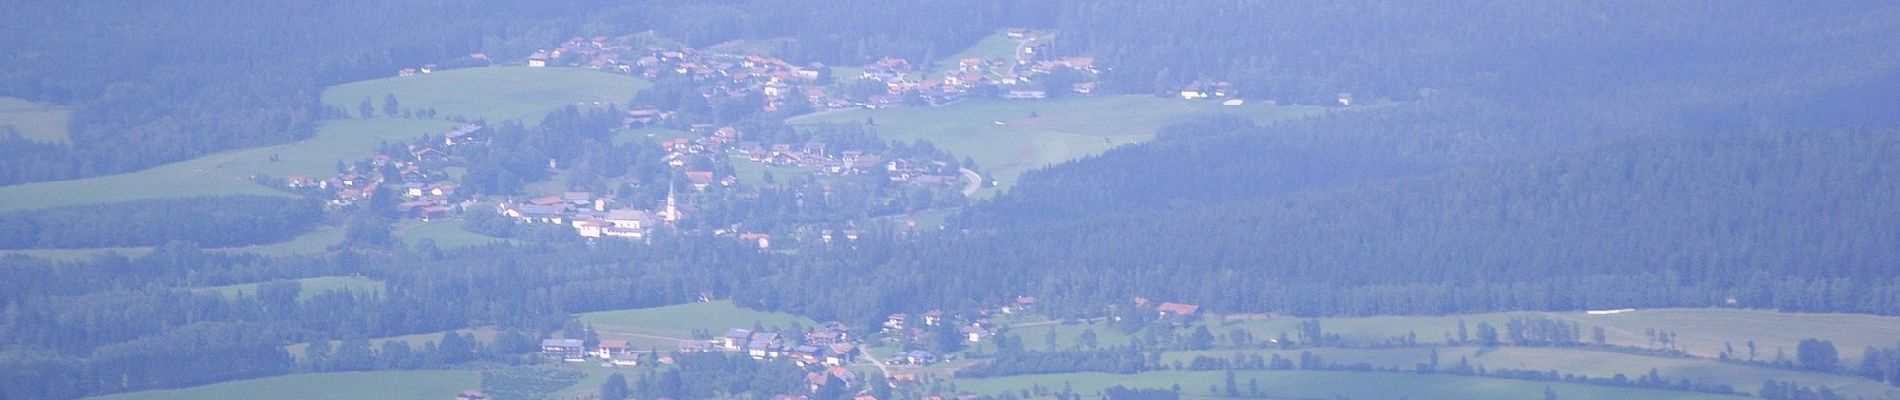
column 445, row 233
column 991, row 47
column 1593, row 363
column 311, row 287
column 625, row 136
column 1005, row 140
column 315, row 241
column 681, row 320
column 1327, row 384
column 391, row 385
column 493, row 93
column 1702, row 332
column 35, row 121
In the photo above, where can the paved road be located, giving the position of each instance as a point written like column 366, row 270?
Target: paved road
column 976, row 182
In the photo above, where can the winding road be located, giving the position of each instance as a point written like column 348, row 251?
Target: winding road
column 976, row 182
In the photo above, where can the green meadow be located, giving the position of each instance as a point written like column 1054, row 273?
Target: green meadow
column 1009, row 137
column 388, row 385
column 35, row 121
column 991, row 47
column 1325, row 385
column 446, row 234
column 1703, row 332
column 681, row 320
column 495, row 94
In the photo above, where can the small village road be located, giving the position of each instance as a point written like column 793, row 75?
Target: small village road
column 976, row 182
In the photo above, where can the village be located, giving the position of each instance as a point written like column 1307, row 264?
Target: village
column 830, row 351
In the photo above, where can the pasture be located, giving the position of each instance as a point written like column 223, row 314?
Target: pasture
column 492, row 93
column 1703, row 332
column 1009, row 137
column 495, row 94
column 391, row 385
column 995, row 46
column 34, row 121
column 681, row 320
column 1325, row 384
column 446, row 234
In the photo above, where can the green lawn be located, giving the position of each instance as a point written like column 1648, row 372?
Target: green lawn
column 388, row 385
column 35, row 121
column 754, row 173
column 311, row 287
column 496, row 93
column 1003, row 138
column 681, row 320
column 1327, row 384
column 446, row 234
column 493, row 93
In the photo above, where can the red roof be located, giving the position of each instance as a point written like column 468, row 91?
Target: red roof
column 1178, row 308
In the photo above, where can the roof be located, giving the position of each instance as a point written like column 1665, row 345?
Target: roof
column 737, row 333
column 1178, row 308
column 561, row 343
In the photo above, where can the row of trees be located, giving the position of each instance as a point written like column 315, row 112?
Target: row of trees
column 228, row 221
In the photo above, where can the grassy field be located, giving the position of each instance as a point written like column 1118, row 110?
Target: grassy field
column 35, row 121
column 315, row 241
column 389, row 385
column 446, row 234
column 311, row 286
column 493, row 93
column 1005, row 140
column 1327, row 384
column 681, row 320
column 1702, row 332
column 992, row 46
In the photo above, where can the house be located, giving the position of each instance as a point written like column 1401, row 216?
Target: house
column 736, row 339
column 1021, row 304
column 1194, row 91
column 539, row 59
column 763, row 345
column 807, row 355
column 629, row 218
column 564, row 349
column 974, row 333
column 932, row 317
column 895, row 322
column 764, row 240
column 1345, row 99
column 609, row 348
column 920, row 357
column 626, row 359
column 700, row 179
column 471, row 394
column 841, row 354
column 466, row 134
column 1171, row 308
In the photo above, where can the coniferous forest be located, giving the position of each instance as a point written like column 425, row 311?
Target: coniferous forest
column 1506, row 156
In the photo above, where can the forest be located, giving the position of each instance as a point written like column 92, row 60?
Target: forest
column 229, row 221
column 1506, row 157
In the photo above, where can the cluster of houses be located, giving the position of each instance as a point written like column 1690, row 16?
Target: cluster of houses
column 591, row 216
column 1178, row 314
column 425, row 190
column 743, row 75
